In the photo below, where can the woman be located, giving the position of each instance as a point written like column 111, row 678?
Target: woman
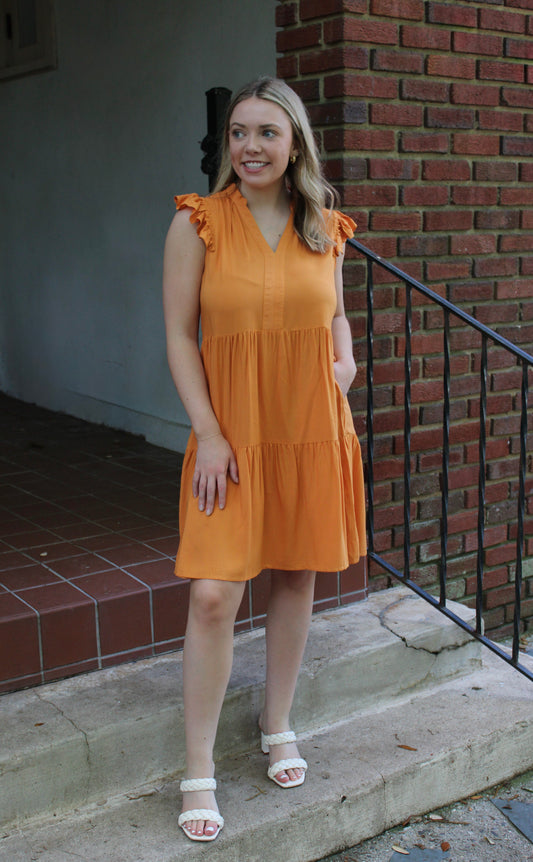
column 272, row 476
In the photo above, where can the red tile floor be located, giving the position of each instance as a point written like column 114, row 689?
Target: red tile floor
column 88, row 536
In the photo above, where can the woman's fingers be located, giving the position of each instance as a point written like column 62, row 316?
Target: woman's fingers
column 214, row 460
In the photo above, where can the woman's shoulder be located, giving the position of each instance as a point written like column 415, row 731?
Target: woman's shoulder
column 340, row 227
column 207, row 210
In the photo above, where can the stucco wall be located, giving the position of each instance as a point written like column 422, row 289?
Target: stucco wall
column 91, row 156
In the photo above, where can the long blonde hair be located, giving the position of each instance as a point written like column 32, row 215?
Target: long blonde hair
column 310, row 191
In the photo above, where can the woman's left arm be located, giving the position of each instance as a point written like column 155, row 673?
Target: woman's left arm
column 344, row 365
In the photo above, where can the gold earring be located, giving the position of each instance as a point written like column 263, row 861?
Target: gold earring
column 293, row 159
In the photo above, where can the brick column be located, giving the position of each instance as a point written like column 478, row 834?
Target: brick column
column 424, row 112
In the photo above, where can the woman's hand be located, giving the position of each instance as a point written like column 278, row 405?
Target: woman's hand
column 214, row 460
column 345, row 374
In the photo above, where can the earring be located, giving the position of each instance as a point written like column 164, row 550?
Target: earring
column 293, row 159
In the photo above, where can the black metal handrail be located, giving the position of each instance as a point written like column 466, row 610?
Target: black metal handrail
column 525, row 360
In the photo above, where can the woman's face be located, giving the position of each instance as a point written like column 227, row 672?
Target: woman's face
column 260, row 142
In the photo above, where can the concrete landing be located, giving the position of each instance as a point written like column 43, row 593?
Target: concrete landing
column 396, row 711
column 461, row 737
column 98, row 735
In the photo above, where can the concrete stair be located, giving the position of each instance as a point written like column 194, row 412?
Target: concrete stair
column 397, row 711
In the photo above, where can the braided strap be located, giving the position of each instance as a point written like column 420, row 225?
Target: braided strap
column 201, row 814
column 283, row 765
column 190, row 784
column 279, row 738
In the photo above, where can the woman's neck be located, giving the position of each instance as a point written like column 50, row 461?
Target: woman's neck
column 274, row 198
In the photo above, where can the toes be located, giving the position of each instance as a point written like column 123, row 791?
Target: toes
column 283, row 777
column 210, row 828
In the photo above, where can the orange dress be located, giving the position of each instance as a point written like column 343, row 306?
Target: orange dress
column 267, row 351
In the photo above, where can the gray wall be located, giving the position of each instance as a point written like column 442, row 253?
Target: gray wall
column 91, row 156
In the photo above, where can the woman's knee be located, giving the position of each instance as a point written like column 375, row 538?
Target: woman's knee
column 215, row 602
column 301, row 581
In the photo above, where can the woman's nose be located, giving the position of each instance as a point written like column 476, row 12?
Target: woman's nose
column 253, row 144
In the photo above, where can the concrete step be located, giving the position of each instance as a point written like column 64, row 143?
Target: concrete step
column 93, row 736
column 366, row 774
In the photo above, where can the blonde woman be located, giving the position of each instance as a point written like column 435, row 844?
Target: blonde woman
column 272, row 475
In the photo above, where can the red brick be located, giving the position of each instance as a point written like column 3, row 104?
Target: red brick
column 347, row 168
column 529, row 123
column 495, row 171
column 424, row 246
column 362, row 86
column 447, row 270
column 504, row 121
column 499, row 70
column 451, row 67
column 424, row 142
column 453, row 220
column 497, row 220
column 287, row 67
column 520, row 4
column 299, row 37
column 393, row 168
column 495, row 266
column 476, row 145
column 323, row 8
column 445, row 169
column 515, row 97
column 410, row 9
column 425, row 196
column 396, row 115
column 308, row 90
column 520, row 48
column 478, row 43
column 450, row 118
column 286, row 14
column 479, row 244
column 526, row 267
column 515, row 289
column 474, row 94
column 471, row 291
column 348, row 57
column 331, row 113
column 515, row 243
column 452, row 13
column 527, row 220
column 425, row 91
column 395, row 221
column 474, row 196
column 397, row 61
column 425, row 37
column 517, row 197
column 366, row 139
column 502, row 21
column 373, row 195
column 355, row 30
column 517, row 146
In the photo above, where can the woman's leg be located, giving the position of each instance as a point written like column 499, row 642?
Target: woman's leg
column 207, row 661
column 287, row 626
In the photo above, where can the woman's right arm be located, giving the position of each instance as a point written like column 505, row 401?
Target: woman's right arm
column 183, row 268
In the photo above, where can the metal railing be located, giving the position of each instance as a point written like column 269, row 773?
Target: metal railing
column 525, row 361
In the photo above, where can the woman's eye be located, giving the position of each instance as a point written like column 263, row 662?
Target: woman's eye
column 269, row 133
column 237, row 134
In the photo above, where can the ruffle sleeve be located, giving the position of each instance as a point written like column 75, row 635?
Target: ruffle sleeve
column 200, row 216
column 344, row 229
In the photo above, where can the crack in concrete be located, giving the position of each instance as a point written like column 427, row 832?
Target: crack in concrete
column 404, row 639
column 75, row 726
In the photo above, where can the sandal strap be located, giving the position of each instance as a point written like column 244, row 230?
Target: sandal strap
column 279, row 738
column 201, row 814
column 190, row 784
column 283, row 765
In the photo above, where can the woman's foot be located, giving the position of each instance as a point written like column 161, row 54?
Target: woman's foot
column 283, row 752
column 200, row 802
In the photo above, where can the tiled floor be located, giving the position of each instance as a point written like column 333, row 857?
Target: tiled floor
column 88, row 536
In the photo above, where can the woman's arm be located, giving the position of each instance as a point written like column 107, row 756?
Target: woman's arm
column 183, row 267
column 344, row 365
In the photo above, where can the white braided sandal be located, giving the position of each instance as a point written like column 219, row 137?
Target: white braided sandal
column 282, row 765
column 200, row 813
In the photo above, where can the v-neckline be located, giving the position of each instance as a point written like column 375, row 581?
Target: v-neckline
column 255, row 227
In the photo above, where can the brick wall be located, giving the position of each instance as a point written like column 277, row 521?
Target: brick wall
column 425, row 116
